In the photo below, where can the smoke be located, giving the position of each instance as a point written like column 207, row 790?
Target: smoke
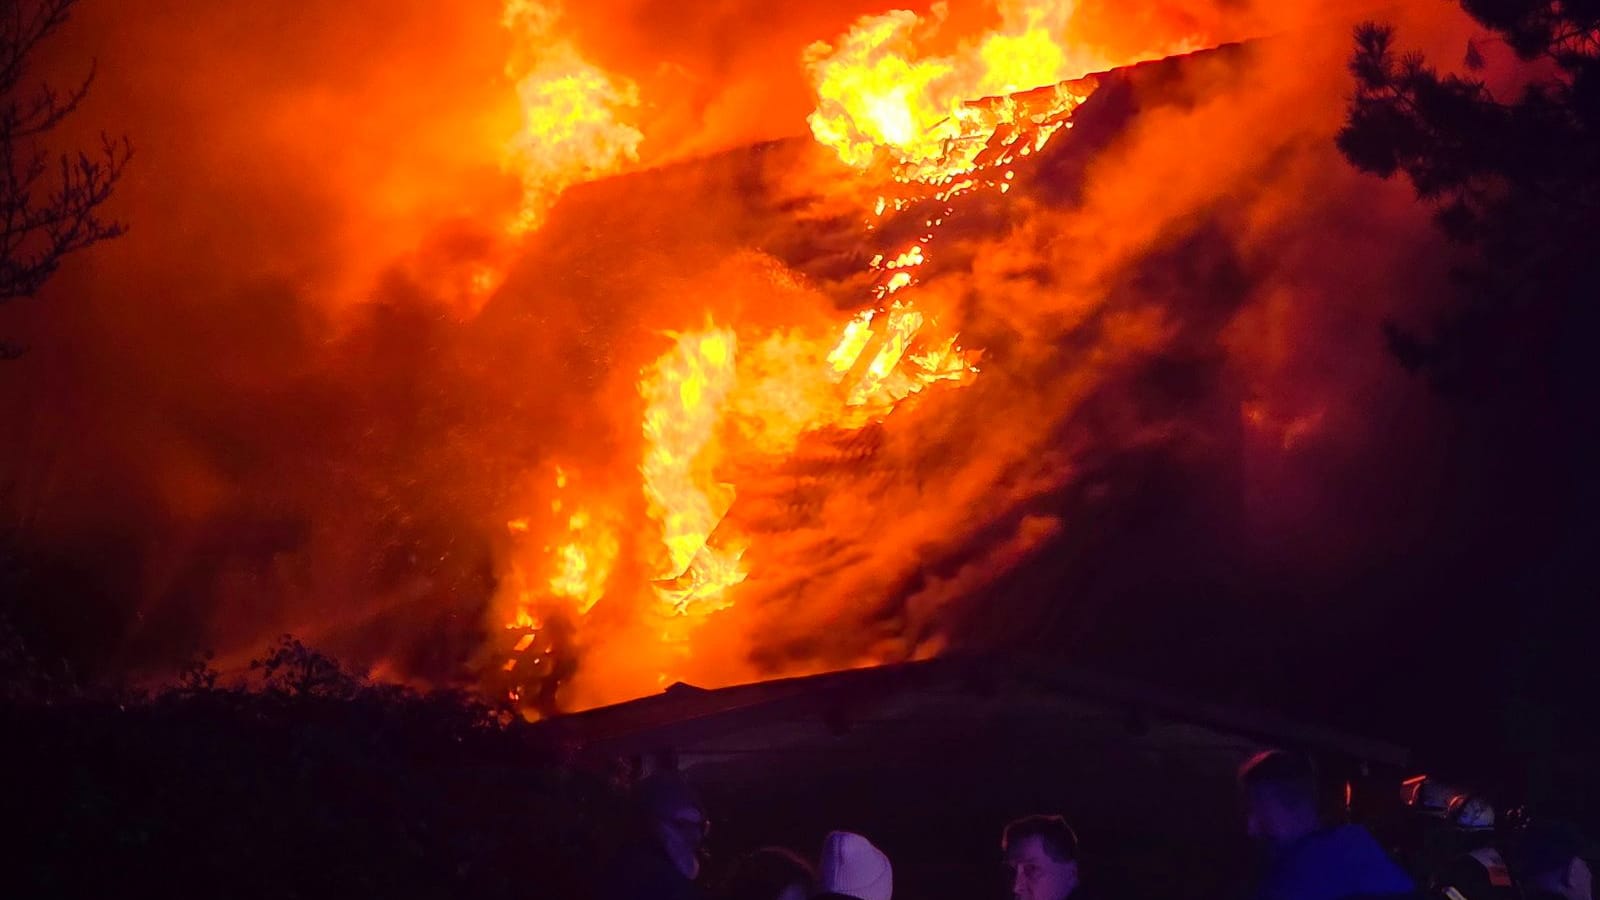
column 226, row 411
column 312, row 385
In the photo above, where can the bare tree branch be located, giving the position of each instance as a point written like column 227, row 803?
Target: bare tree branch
column 50, row 206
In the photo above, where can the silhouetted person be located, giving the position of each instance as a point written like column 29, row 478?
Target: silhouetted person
column 662, row 858
column 1430, row 843
column 851, row 867
column 1306, row 861
column 1475, row 870
column 1042, row 854
column 771, row 873
column 1549, row 865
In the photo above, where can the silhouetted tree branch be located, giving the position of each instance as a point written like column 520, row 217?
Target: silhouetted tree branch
column 1514, row 181
column 1515, row 184
column 292, row 669
column 50, row 206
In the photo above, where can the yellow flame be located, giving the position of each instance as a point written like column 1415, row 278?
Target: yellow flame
column 713, row 404
column 879, row 94
column 851, row 342
column 873, row 90
column 573, row 128
column 583, row 564
column 684, row 392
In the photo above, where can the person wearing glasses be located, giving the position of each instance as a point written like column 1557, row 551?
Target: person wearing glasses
column 663, row 859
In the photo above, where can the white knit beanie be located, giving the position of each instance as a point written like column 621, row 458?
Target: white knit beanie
column 852, row 866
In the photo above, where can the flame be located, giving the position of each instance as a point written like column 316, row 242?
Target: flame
column 879, row 94
column 684, row 393
column 874, row 92
column 706, row 407
column 573, row 126
column 584, row 563
column 710, row 407
column 576, row 573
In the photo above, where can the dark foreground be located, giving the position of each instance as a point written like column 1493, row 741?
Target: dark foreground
column 312, row 783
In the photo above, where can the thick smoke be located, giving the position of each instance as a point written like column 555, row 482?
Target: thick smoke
column 284, row 402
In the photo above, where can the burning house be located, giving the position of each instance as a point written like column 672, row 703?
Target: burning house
column 759, row 436
column 574, row 401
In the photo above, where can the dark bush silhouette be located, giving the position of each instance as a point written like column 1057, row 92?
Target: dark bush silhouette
column 303, row 780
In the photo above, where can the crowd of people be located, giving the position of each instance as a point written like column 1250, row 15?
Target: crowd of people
column 1303, row 857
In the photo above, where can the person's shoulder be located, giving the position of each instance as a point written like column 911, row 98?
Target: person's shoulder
column 1340, row 842
column 1344, row 861
column 1349, row 834
column 1359, row 845
column 1351, row 840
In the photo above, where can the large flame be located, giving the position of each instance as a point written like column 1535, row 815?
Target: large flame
column 879, row 94
column 708, row 408
column 574, row 125
column 714, row 403
column 685, row 394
